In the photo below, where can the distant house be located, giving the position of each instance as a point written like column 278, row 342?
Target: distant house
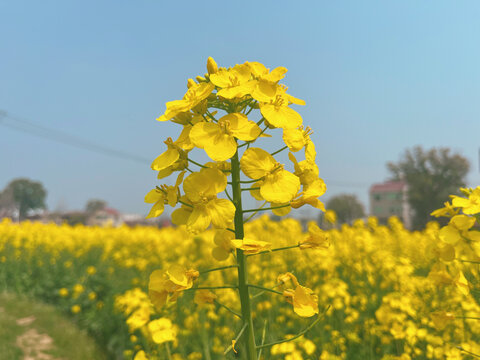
column 390, row 199
column 105, row 216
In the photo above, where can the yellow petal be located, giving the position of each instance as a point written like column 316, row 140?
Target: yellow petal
column 241, row 127
column 294, row 139
column 221, row 148
column 280, row 211
column 237, row 91
column 180, row 216
column 280, row 187
column 174, row 108
column 156, row 209
column 276, row 74
column 281, row 116
column 153, row 196
column 165, row 159
column 256, row 163
column 449, row 234
column 221, row 211
column 462, row 222
column 208, row 182
column 204, row 133
column 265, row 91
column 199, row 219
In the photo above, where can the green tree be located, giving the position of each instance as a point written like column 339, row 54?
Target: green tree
column 431, row 175
column 27, row 195
column 347, row 207
column 94, row 205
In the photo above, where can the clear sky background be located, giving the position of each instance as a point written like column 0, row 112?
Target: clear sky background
column 378, row 77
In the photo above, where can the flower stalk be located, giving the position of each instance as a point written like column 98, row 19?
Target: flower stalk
column 242, row 262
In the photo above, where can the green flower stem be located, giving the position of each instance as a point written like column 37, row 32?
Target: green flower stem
column 227, row 350
column 204, row 336
column 184, row 203
column 255, row 213
column 260, row 293
column 263, row 209
column 276, row 249
column 227, row 308
column 218, row 269
column 471, row 262
column 303, row 332
column 280, row 150
column 231, row 230
column 167, row 348
column 196, row 163
column 243, row 181
column 468, row 352
column 212, row 287
column 242, row 262
column 467, row 317
column 228, row 195
column 264, row 288
column 253, row 188
column 264, row 333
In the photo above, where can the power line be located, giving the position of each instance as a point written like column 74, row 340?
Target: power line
column 38, row 130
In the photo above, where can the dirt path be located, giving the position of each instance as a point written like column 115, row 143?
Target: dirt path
column 32, row 343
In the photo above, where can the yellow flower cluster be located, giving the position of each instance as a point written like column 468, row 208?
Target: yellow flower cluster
column 215, row 114
column 374, row 278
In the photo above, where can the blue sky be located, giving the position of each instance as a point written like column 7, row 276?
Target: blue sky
column 378, row 77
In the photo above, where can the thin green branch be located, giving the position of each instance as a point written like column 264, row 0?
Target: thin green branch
column 264, row 333
column 468, row 352
column 469, row 261
column 184, row 203
column 227, row 308
column 256, row 212
column 467, row 317
column 169, row 353
column 231, row 230
column 196, row 163
column 212, row 287
column 227, row 350
column 260, row 293
column 245, row 181
column 252, row 188
column 264, row 209
column 228, row 195
column 218, row 269
column 300, row 334
column 264, row 288
column 276, row 249
column 280, row 150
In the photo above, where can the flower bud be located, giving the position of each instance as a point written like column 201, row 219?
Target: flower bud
column 212, row 67
column 190, row 83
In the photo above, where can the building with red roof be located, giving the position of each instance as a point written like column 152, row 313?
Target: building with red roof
column 390, row 199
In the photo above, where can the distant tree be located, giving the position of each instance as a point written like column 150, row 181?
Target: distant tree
column 431, row 176
column 7, row 203
column 27, row 195
column 347, row 207
column 94, row 205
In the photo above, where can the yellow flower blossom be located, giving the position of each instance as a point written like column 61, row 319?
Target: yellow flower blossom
column 218, row 139
column 162, row 330
column 194, row 95
column 250, row 246
column 164, row 195
column 166, row 286
column 278, row 185
column 201, row 189
column 233, row 83
column 317, row 238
